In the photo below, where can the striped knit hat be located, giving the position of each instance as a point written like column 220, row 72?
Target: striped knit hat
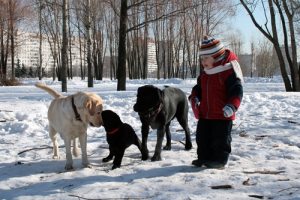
column 212, row 47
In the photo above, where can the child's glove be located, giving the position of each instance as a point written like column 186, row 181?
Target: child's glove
column 228, row 111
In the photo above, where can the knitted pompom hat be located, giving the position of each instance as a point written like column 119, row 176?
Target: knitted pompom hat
column 212, row 47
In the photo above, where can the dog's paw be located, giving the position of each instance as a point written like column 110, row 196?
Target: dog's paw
column 107, row 159
column 69, row 167
column 87, row 165
column 115, row 167
column 145, row 156
column 156, row 157
column 167, row 147
column 56, row 157
column 188, row 146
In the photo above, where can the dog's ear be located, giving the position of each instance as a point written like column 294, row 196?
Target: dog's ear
column 90, row 105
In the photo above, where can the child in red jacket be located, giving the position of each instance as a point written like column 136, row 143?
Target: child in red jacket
column 214, row 100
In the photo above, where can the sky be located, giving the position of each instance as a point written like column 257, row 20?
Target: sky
column 243, row 23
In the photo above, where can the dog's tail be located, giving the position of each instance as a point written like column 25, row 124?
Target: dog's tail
column 48, row 89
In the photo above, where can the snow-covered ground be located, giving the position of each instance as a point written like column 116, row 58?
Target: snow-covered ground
column 265, row 159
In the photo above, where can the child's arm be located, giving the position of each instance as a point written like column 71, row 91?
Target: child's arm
column 195, row 98
column 234, row 91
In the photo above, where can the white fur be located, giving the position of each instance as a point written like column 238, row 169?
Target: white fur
column 62, row 120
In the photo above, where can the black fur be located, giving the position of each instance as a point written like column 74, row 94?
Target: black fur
column 119, row 136
column 157, row 108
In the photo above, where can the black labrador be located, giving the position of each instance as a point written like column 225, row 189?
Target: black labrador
column 157, row 108
column 119, row 136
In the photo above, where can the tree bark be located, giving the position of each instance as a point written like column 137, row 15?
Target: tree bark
column 121, row 71
column 88, row 43
column 64, row 49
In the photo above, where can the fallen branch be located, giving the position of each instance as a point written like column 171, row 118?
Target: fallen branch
column 37, row 148
column 79, row 197
column 260, row 137
column 256, row 196
column 6, row 111
column 221, row 187
column 293, row 122
column 6, row 120
column 264, row 172
column 289, row 189
column 181, row 142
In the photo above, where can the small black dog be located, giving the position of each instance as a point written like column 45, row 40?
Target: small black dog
column 119, row 136
column 157, row 108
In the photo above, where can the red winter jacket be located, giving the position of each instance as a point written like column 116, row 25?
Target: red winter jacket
column 214, row 91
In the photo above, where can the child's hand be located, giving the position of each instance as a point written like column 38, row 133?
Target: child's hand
column 195, row 104
column 228, row 111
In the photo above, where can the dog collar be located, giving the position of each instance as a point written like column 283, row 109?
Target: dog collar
column 77, row 116
column 158, row 109
column 113, row 131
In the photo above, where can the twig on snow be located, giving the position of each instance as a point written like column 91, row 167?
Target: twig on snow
column 293, row 122
column 289, row 189
column 37, row 148
column 181, row 142
column 6, row 111
column 221, row 187
column 79, row 197
column 265, row 172
column 256, row 196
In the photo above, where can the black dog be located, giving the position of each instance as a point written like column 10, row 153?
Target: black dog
column 157, row 108
column 119, row 136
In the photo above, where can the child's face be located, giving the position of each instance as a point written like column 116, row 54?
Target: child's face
column 207, row 61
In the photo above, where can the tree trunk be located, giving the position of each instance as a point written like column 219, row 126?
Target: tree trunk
column 70, row 47
column 294, row 65
column 88, row 43
column 64, row 49
column 41, row 41
column 121, row 71
column 12, row 42
column 273, row 39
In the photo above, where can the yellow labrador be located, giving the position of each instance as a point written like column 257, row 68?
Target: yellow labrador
column 70, row 116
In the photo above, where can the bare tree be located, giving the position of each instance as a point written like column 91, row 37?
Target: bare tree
column 4, row 46
column 265, row 64
column 88, row 41
column 40, row 7
column 64, row 49
column 289, row 37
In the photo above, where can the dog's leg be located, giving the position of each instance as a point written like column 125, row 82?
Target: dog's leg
column 53, row 136
column 168, row 136
column 110, row 156
column 160, row 138
column 138, row 143
column 183, row 121
column 75, row 148
column 83, row 141
column 118, row 158
column 145, row 132
column 69, row 163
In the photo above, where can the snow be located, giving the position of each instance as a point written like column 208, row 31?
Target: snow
column 265, row 159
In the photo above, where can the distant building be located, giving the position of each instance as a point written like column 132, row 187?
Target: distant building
column 246, row 64
column 151, row 59
column 27, row 52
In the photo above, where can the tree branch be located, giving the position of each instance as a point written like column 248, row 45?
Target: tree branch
column 162, row 17
column 265, row 33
